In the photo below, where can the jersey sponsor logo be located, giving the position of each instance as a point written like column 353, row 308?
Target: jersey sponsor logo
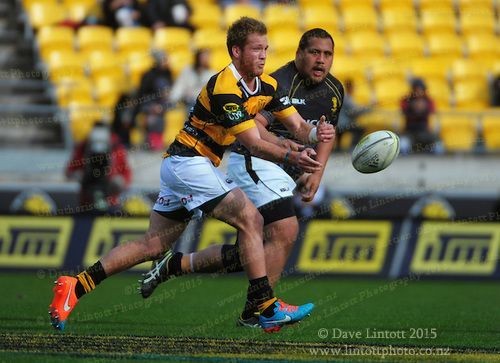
column 233, row 111
column 285, row 101
column 457, row 249
column 345, row 247
column 298, row 101
column 335, row 104
column 34, row 241
column 107, row 233
column 215, row 232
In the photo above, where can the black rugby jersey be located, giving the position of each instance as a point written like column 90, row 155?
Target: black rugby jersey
column 311, row 101
column 224, row 108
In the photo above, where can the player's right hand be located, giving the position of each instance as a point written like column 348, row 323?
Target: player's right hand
column 325, row 131
column 305, row 161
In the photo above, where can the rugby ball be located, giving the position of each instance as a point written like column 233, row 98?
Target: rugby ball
column 375, row 152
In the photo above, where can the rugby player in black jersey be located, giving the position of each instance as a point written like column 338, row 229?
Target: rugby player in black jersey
column 309, row 86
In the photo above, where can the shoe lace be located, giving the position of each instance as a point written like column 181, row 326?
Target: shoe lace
column 287, row 307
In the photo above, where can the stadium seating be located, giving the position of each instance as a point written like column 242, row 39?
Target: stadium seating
column 349, row 68
column 206, row 15
column 439, row 91
column 74, row 91
column 77, row 10
column 108, row 89
column 363, row 93
column 366, row 45
column 284, row 44
column 395, row 21
column 435, row 5
column 471, row 95
column 436, row 22
column 105, row 63
column 52, row 38
column 138, row 62
column 281, row 17
column 430, row 68
column 481, row 46
column 402, row 6
column 65, row 65
column 355, row 19
column 405, row 45
column 491, row 132
column 174, row 120
column 171, row 39
column 213, row 39
column 467, row 70
column 475, row 22
column 235, row 11
column 133, row 39
column 458, row 132
column 387, row 69
column 45, row 13
column 92, row 38
column 320, row 17
column 181, row 59
column 389, row 92
column 445, row 45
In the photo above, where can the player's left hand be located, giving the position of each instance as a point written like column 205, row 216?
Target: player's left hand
column 308, row 185
column 325, row 131
column 291, row 145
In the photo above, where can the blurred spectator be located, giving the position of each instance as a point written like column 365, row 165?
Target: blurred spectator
column 417, row 108
column 118, row 13
column 153, row 99
column 124, row 119
column 191, row 80
column 348, row 116
column 100, row 165
column 495, row 92
column 162, row 13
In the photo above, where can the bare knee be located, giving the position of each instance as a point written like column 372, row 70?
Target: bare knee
column 250, row 220
column 282, row 234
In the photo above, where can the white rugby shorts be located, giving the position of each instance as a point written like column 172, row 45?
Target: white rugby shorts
column 189, row 182
column 273, row 182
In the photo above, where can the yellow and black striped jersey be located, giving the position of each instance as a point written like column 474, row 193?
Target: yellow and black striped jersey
column 226, row 107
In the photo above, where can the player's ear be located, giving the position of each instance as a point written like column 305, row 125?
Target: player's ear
column 236, row 51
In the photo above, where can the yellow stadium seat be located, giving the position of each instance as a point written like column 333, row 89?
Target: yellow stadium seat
column 387, row 69
column 439, row 91
column 108, row 90
column 438, row 22
column 133, row 39
column 182, row 58
column 367, row 44
column 65, row 65
column 95, row 37
column 397, row 21
column 491, row 131
column 472, row 95
column 74, row 91
column 284, row 44
column 402, row 6
column 466, row 5
column 467, row 70
column 349, row 68
column 303, row 4
column 78, row 10
column 28, row 3
column 235, row 11
column 51, row 38
column 380, row 119
column 320, row 17
column 363, row 93
column 405, row 45
column 458, row 132
column 104, row 63
column 475, row 22
column 83, row 117
column 390, row 92
column 172, row 38
column 360, row 19
column 435, row 5
column 430, row 68
column 137, row 64
column 219, row 59
column 43, row 14
column 206, row 16
column 480, row 46
column 213, row 39
column 281, row 17
column 445, row 45
column 174, row 121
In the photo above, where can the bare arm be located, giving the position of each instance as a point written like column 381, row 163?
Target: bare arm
column 304, row 131
column 261, row 123
column 261, row 148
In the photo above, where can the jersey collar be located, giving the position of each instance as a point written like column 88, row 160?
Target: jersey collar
column 237, row 75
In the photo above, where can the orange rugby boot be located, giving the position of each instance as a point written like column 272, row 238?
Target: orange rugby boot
column 64, row 301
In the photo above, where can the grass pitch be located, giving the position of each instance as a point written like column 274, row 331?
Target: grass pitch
column 193, row 319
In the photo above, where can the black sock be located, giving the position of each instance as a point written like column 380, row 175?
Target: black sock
column 174, row 265
column 89, row 279
column 258, row 292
